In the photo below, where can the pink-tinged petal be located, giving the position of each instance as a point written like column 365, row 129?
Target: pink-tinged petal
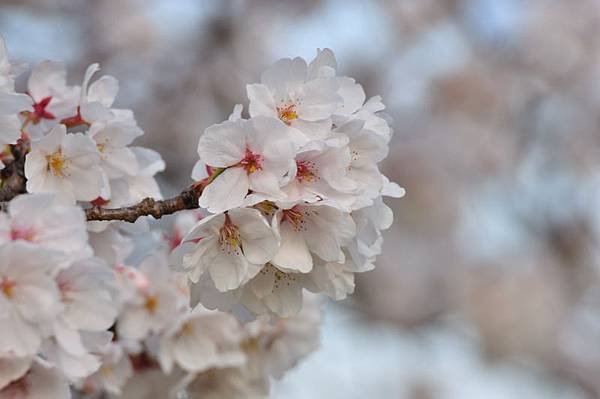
column 259, row 241
column 353, row 96
column 286, row 301
column 223, row 145
column 293, row 253
column 227, row 191
column 324, row 64
column 9, row 129
column 13, row 368
column 103, row 91
column 319, row 100
column 261, row 100
column 12, row 103
column 45, row 78
column 286, row 74
column 228, row 271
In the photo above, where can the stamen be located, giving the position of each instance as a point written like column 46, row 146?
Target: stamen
column 294, row 217
column 287, row 113
column 7, row 286
column 56, row 163
column 229, row 237
column 22, row 234
column 251, row 162
column 306, row 171
column 151, row 303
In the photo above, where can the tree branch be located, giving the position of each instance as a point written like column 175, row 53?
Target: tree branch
column 13, row 176
column 187, row 199
column 14, row 183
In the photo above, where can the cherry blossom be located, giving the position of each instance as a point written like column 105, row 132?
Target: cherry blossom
column 37, row 219
column 255, row 155
column 67, row 165
column 201, row 340
column 11, row 103
column 291, row 204
column 28, row 297
column 53, row 100
column 231, row 247
column 304, row 103
column 311, row 228
column 151, row 302
column 42, row 381
column 112, row 139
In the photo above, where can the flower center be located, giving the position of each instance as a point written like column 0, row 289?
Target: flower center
column 151, row 303
column 39, row 110
column 101, row 147
column 186, row 330
column 8, row 287
column 281, row 279
column 22, row 234
column 56, row 163
column 287, row 113
column 268, row 208
column 251, row 162
column 229, row 236
column 306, row 171
column 295, row 218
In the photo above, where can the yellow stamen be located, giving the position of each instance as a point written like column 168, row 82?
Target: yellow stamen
column 151, row 303
column 229, row 235
column 186, row 330
column 8, row 288
column 56, row 163
column 287, row 113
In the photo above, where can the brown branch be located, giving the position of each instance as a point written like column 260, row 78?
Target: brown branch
column 14, row 183
column 13, row 176
column 187, row 199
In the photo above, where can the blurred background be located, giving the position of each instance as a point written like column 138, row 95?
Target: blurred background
column 488, row 286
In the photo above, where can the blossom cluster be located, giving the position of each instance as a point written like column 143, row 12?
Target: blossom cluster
column 295, row 192
column 292, row 201
column 73, row 319
column 80, row 143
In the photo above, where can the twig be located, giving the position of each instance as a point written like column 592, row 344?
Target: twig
column 13, row 177
column 187, row 199
column 14, row 183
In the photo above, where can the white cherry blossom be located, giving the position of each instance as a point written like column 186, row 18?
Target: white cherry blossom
column 37, row 219
column 304, row 103
column 114, row 372
column 154, row 302
column 11, row 103
column 53, row 100
column 321, row 172
column 277, row 345
column 66, row 165
column 307, row 229
column 274, row 291
column 97, row 98
column 13, row 368
column 201, row 340
column 28, row 296
column 112, row 139
column 255, row 154
column 230, row 247
column 42, row 381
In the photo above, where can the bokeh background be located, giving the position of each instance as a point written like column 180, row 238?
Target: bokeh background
column 488, row 286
